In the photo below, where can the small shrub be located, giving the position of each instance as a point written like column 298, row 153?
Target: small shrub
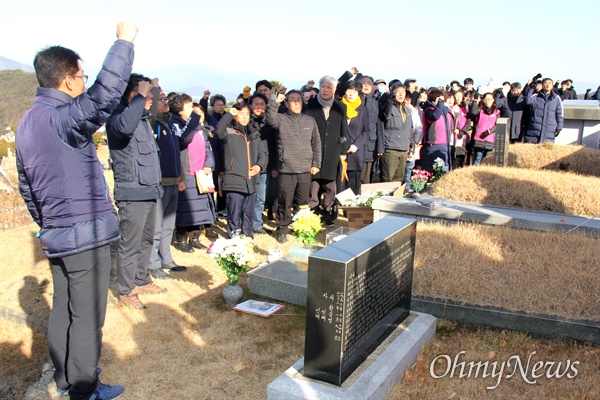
column 99, row 139
column 4, row 146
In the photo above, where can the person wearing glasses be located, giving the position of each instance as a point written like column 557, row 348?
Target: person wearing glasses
column 62, row 183
column 173, row 182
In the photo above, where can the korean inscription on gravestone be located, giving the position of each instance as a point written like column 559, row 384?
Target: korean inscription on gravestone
column 501, row 138
column 359, row 290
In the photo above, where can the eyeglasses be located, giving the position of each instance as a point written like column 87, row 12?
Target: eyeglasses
column 84, row 78
column 166, row 100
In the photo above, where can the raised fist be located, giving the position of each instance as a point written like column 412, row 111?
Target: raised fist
column 144, row 88
column 126, row 31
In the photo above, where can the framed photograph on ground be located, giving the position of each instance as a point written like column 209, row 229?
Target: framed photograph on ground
column 257, row 307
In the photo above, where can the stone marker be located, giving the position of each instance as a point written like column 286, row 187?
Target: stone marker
column 359, row 291
column 501, row 140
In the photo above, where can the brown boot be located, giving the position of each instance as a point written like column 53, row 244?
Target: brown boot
column 132, row 301
column 150, row 288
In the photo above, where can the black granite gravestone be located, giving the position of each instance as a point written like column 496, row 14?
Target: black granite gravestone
column 501, row 140
column 359, row 291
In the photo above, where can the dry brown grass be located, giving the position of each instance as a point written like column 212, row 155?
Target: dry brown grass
column 561, row 192
column 548, row 156
column 187, row 344
column 520, row 270
column 492, row 345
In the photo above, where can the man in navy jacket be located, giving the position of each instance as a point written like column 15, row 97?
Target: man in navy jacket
column 62, row 183
column 546, row 118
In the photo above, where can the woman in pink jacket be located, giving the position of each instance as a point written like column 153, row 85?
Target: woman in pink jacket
column 484, row 115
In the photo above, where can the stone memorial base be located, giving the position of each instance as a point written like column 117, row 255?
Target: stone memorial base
column 281, row 280
column 439, row 209
column 376, row 375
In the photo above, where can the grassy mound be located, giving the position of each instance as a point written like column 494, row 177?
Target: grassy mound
column 548, row 156
column 561, row 192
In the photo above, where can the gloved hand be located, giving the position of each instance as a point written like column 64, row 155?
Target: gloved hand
column 556, row 133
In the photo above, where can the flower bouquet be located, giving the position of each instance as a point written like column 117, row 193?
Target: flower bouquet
column 365, row 199
column 419, row 179
column 306, row 225
column 439, row 168
column 233, row 256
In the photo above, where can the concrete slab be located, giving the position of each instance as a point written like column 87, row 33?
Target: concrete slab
column 376, row 375
column 280, row 280
column 454, row 211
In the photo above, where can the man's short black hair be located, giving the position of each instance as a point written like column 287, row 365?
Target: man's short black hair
column 468, row 80
column 287, row 95
column 53, row 64
column 240, row 105
column 132, row 85
column 260, row 96
column 408, row 81
column 216, row 97
column 515, row 85
column 264, row 82
column 453, row 82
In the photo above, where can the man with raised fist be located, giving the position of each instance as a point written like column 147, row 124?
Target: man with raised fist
column 62, row 183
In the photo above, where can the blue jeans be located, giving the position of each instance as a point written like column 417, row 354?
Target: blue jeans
column 260, row 201
column 480, row 154
column 408, row 172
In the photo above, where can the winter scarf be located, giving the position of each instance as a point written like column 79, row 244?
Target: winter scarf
column 351, row 107
column 326, row 104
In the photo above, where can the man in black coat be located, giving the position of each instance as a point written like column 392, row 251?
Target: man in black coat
column 330, row 116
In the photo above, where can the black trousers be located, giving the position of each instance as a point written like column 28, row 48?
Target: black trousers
column 365, row 176
column 293, row 188
column 354, row 181
column 325, row 188
column 77, row 317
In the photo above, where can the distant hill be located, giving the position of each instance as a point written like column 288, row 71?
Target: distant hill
column 7, row 64
column 17, row 93
column 194, row 79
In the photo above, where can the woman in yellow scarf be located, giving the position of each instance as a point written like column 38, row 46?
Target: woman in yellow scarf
column 358, row 133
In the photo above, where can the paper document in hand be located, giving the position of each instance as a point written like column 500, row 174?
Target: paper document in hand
column 257, row 307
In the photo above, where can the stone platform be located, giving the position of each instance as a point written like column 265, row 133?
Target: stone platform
column 432, row 209
column 376, row 375
column 281, row 280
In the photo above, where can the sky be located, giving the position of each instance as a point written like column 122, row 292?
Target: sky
column 433, row 41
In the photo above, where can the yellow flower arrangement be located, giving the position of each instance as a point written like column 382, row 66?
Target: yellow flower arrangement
column 306, row 225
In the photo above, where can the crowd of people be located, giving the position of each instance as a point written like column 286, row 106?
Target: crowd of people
column 179, row 165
